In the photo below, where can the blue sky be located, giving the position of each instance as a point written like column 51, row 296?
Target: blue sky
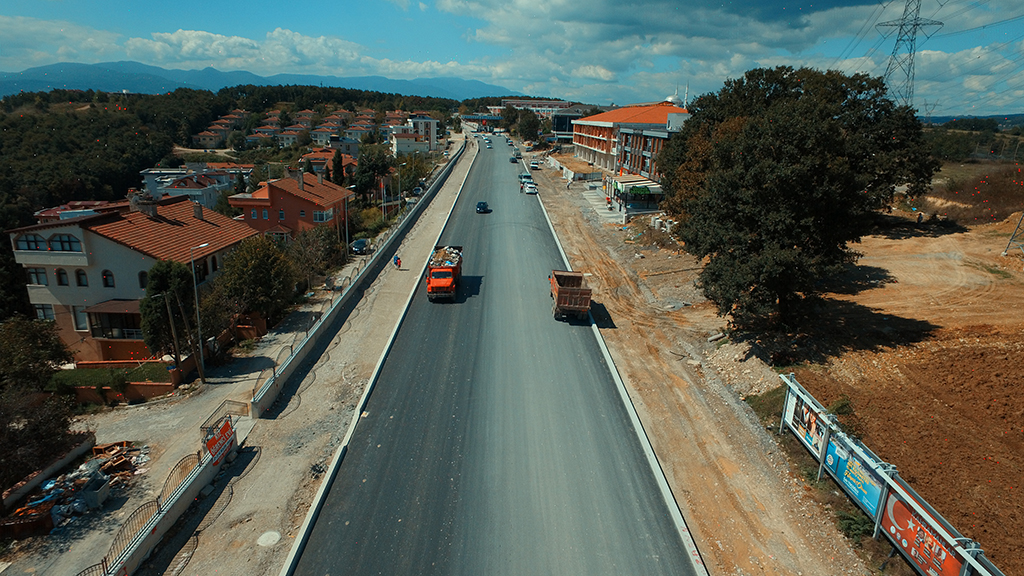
column 593, row 51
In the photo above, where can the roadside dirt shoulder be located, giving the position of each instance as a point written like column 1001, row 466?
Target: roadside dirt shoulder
column 748, row 512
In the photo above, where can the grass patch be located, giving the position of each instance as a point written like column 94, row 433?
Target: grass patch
column 986, row 193
column 93, row 377
column 768, row 406
column 855, row 525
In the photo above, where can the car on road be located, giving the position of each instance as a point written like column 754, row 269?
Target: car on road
column 513, row 159
column 488, row 146
column 361, row 246
column 530, row 187
column 534, row 165
column 482, row 208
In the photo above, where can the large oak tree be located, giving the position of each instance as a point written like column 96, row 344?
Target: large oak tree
column 776, row 174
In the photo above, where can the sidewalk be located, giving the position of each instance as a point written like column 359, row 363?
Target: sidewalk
column 292, row 440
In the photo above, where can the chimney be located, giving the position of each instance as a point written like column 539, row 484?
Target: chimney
column 319, row 177
column 197, row 210
column 300, row 177
column 142, row 202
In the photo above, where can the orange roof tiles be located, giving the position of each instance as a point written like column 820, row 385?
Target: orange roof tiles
column 175, row 229
column 653, row 114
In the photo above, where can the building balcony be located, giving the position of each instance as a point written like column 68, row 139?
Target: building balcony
column 51, row 258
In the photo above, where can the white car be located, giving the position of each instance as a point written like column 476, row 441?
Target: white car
column 530, row 188
column 534, row 165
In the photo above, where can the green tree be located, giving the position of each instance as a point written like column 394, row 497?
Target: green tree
column 30, row 353
column 307, row 166
column 509, row 117
column 30, row 433
column 528, row 125
column 259, row 277
column 313, row 250
column 14, row 212
column 339, row 173
column 236, row 140
column 375, row 162
column 171, row 280
column 782, row 169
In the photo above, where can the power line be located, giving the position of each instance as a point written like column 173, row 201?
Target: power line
column 899, row 74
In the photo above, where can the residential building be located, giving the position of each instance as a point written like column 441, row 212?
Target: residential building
column 425, row 126
column 88, row 273
column 542, row 108
column 596, row 139
column 408, row 143
column 348, row 146
column 284, row 207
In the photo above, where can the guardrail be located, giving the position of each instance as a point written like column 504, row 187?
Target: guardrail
column 268, row 385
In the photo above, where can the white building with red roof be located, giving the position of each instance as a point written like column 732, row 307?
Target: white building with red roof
column 87, row 274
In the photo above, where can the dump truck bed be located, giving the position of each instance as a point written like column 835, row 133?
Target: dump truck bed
column 569, row 293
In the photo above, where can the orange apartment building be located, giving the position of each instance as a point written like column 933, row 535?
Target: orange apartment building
column 284, row 207
column 627, row 139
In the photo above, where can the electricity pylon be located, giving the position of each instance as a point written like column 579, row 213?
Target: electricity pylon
column 901, row 63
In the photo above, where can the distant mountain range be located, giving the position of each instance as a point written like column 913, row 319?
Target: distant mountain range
column 140, row 78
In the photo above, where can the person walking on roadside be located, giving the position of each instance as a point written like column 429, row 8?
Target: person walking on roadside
column 397, row 261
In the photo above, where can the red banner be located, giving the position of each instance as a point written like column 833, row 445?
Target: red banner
column 220, row 442
column 916, row 540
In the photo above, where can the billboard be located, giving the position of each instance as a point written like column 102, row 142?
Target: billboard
column 805, row 421
column 221, row 441
column 854, row 475
column 915, row 538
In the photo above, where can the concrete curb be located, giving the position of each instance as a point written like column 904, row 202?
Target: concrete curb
column 301, row 539
column 659, row 473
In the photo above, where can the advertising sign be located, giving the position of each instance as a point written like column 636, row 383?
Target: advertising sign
column 221, row 441
column 915, row 539
column 806, row 423
column 856, row 478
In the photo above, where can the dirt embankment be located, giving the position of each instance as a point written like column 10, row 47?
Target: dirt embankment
column 924, row 337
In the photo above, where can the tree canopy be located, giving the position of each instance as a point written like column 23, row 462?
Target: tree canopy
column 773, row 176
column 259, row 277
column 173, row 280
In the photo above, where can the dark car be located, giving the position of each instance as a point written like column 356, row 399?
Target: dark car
column 481, row 208
column 361, row 246
column 512, row 159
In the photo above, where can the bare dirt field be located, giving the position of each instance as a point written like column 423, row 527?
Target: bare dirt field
column 924, row 337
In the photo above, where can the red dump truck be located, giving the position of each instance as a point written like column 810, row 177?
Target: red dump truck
column 444, row 272
column 570, row 294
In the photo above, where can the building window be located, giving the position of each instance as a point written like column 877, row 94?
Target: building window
column 62, row 277
column 108, row 279
column 253, row 214
column 302, row 213
column 200, row 270
column 43, row 311
column 280, row 214
column 65, row 243
column 81, row 318
column 116, row 326
column 80, row 278
column 31, row 242
column 266, row 214
column 36, row 276
column 323, row 216
column 143, row 279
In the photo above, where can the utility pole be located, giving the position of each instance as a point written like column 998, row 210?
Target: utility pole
column 174, row 331
column 899, row 75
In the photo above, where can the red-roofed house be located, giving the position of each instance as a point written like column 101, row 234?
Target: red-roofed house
column 597, row 138
column 289, row 205
column 88, row 273
column 408, row 143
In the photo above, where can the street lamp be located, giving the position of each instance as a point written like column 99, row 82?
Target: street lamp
column 195, row 288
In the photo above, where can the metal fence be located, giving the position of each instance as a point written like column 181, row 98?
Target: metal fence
column 131, row 528
column 208, row 428
column 178, row 474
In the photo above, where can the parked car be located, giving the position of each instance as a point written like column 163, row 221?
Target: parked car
column 417, row 191
column 482, row 208
column 530, row 188
column 361, row 246
column 513, row 160
column 534, row 165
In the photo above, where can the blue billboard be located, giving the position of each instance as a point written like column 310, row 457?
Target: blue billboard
column 858, row 480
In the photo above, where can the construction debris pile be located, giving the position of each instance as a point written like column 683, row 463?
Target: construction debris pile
column 61, row 499
column 445, row 256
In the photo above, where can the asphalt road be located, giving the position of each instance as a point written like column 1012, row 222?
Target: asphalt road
column 495, row 441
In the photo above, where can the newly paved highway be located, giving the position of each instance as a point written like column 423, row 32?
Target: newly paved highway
column 495, row 441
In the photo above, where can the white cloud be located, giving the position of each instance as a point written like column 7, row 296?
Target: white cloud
column 28, row 42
